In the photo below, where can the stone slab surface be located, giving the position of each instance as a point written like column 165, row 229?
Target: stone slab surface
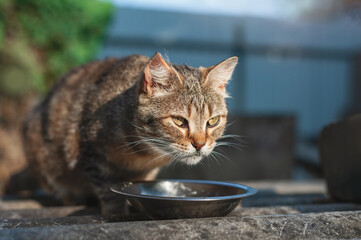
column 47, row 212
column 24, row 219
column 59, row 219
column 294, row 226
column 286, row 210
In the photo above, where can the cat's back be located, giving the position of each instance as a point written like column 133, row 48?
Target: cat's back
column 97, row 81
column 106, row 76
column 52, row 128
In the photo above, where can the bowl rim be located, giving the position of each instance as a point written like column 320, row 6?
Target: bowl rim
column 249, row 190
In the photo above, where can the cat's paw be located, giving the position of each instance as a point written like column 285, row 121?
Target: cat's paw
column 118, row 207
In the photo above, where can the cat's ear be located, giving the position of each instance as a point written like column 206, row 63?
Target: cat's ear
column 218, row 75
column 157, row 76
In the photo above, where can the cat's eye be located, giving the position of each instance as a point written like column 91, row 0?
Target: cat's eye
column 179, row 121
column 213, row 121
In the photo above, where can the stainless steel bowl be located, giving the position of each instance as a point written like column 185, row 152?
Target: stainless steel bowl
column 170, row 199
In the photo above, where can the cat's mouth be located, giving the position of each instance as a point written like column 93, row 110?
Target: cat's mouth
column 190, row 156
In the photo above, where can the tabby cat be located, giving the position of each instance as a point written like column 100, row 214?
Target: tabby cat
column 122, row 119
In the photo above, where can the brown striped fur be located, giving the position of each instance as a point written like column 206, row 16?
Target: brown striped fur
column 110, row 121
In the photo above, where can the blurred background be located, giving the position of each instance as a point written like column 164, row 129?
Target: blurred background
column 299, row 69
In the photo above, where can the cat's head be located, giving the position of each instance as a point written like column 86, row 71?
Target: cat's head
column 182, row 110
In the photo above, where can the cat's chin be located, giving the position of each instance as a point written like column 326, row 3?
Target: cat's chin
column 191, row 160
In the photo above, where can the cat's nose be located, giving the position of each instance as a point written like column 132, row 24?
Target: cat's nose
column 198, row 146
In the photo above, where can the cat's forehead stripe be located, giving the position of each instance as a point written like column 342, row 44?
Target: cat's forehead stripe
column 192, row 82
column 210, row 109
column 189, row 110
column 196, row 115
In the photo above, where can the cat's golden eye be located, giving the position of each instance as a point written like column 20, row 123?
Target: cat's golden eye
column 213, row 121
column 179, row 121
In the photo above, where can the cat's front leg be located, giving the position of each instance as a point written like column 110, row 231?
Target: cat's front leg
column 112, row 203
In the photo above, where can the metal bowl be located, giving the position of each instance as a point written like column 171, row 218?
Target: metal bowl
column 170, row 199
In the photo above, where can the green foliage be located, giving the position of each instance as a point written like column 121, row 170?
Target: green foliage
column 2, row 30
column 42, row 39
column 20, row 70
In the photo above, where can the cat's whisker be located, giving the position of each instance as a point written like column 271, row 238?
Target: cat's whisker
column 136, row 126
column 138, row 151
column 215, row 159
column 206, row 161
column 231, row 136
column 176, row 158
column 135, row 143
column 160, row 145
column 154, row 140
column 138, row 142
column 240, row 139
column 169, row 165
column 224, row 157
column 163, row 155
column 230, row 144
column 172, row 163
column 231, row 123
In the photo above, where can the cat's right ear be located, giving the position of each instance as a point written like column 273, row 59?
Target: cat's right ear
column 157, row 76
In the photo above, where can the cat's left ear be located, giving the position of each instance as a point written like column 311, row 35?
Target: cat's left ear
column 218, row 75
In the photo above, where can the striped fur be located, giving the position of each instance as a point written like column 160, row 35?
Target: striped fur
column 110, row 121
